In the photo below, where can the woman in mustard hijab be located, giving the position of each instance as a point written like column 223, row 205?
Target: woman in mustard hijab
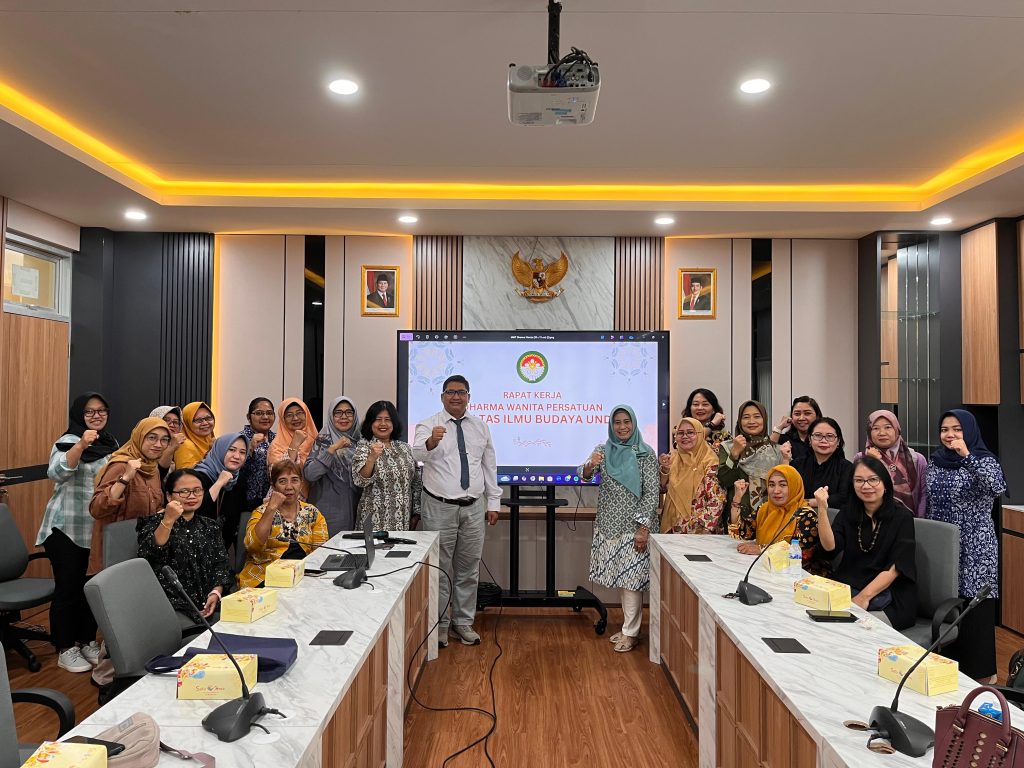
column 689, row 479
column 783, row 517
column 627, row 512
column 197, row 422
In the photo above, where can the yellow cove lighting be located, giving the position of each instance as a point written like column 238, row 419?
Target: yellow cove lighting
column 965, row 169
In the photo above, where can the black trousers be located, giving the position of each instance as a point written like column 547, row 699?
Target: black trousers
column 71, row 621
column 975, row 646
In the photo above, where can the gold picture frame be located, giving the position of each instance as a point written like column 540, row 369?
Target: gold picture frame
column 702, row 305
column 373, row 302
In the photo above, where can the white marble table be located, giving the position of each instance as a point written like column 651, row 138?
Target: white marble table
column 837, row 681
column 311, row 691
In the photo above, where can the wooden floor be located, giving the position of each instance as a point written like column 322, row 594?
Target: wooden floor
column 564, row 697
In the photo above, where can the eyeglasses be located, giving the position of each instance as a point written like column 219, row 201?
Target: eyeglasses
column 186, row 493
column 455, row 392
column 382, row 420
column 96, row 411
column 172, row 422
column 871, row 482
column 262, row 414
column 295, row 416
column 157, row 439
column 685, row 435
column 203, row 420
column 345, row 413
column 824, row 438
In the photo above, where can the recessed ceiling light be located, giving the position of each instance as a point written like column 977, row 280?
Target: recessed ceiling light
column 317, row 303
column 664, row 221
column 344, row 87
column 941, row 221
column 756, row 85
column 408, row 219
column 135, row 215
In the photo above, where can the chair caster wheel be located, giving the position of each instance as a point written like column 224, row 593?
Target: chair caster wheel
column 34, row 665
column 600, row 627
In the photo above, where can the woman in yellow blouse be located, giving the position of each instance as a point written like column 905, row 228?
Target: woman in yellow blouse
column 285, row 527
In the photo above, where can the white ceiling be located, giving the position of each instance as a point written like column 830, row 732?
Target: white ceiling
column 869, row 92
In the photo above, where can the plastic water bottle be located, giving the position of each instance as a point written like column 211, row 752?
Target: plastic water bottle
column 795, row 558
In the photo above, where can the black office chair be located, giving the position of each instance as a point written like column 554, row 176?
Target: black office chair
column 239, row 560
column 12, row 753
column 16, row 593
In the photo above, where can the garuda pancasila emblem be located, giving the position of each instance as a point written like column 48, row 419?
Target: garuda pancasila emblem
column 539, row 279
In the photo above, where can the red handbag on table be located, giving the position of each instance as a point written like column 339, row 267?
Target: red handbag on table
column 965, row 738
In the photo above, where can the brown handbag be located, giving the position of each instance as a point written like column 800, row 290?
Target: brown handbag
column 965, row 738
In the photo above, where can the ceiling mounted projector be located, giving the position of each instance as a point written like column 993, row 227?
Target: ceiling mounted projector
column 562, row 92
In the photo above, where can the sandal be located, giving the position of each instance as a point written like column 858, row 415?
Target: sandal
column 615, row 638
column 626, row 644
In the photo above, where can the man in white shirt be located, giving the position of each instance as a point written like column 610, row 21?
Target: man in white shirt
column 460, row 489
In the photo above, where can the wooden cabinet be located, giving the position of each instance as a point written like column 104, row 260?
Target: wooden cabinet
column 1012, row 565
column 356, row 737
column 679, row 636
column 419, row 617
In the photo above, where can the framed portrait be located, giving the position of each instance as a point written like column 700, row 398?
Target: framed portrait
column 379, row 291
column 698, row 293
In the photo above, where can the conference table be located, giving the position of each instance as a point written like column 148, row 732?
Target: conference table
column 750, row 705
column 345, row 705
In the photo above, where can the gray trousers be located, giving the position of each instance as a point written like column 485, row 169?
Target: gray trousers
column 461, row 543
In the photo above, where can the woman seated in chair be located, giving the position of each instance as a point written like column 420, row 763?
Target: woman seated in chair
column 875, row 536
column 191, row 544
column 284, row 528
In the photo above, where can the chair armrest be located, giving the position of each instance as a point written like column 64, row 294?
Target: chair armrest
column 1013, row 695
column 48, row 697
column 38, row 556
column 191, row 633
column 947, row 610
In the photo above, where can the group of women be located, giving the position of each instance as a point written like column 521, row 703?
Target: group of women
column 188, row 489
column 759, row 486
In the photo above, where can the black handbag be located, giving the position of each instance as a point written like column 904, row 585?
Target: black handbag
column 274, row 655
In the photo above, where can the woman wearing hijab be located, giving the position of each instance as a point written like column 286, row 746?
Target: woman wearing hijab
column 826, row 466
column 171, row 414
column 76, row 458
column 783, row 516
column 130, row 485
column 875, row 537
column 295, row 437
column 906, row 467
column 255, row 477
column 197, row 422
column 328, row 469
column 703, row 405
column 627, row 512
column 964, row 479
column 218, row 472
column 689, row 479
column 748, row 457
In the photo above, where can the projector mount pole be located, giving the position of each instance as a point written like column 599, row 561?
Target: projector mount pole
column 554, row 31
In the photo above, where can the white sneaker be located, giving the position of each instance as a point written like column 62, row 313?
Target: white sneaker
column 72, row 661
column 91, row 652
column 466, row 634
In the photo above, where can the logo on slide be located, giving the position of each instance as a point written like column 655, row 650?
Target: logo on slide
column 532, row 367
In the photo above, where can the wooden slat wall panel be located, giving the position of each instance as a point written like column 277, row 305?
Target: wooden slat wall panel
column 890, row 333
column 980, row 316
column 186, row 322
column 639, row 279
column 437, row 282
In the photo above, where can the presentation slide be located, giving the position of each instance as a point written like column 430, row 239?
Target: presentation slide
column 546, row 396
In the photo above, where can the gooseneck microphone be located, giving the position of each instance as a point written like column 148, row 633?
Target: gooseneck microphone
column 231, row 720
column 907, row 734
column 751, row 594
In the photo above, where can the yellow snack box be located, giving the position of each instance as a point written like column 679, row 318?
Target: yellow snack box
column 821, row 593
column 936, row 675
column 776, row 558
column 55, row 754
column 285, row 573
column 213, row 676
column 247, row 605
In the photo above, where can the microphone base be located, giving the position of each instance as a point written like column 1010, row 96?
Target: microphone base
column 751, row 594
column 905, row 733
column 233, row 720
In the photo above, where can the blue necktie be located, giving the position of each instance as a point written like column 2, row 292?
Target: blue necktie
column 463, row 458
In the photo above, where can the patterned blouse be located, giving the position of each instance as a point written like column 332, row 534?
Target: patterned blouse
column 806, row 531
column 309, row 528
column 195, row 550
column 68, row 508
column 392, row 493
column 708, row 504
column 255, row 471
column 964, row 496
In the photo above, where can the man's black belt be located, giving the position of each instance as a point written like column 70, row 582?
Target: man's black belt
column 456, row 502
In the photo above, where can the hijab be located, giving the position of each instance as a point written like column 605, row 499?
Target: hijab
column 772, row 519
column 947, row 458
column 753, row 441
column 685, row 477
column 104, row 445
column 621, row 457
column 195, row 447
column 899, row 459
column 283, row 441
column 133, row 448
column 162, row 410
column 330, row 434
column 213, row 463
